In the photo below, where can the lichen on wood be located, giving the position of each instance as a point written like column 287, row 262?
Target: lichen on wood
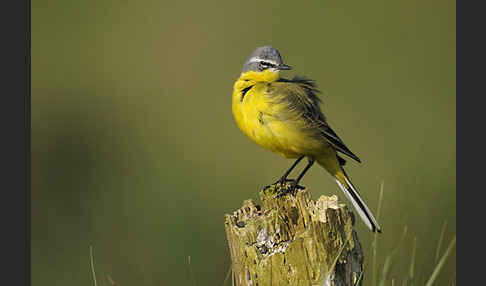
column 292, row 240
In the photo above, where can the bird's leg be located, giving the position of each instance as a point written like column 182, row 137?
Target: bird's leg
column 283, row 179
column 295, row 183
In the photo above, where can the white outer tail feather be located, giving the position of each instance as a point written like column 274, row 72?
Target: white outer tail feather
column 365, row 213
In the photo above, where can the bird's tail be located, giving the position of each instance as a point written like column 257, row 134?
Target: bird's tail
column 358, row 203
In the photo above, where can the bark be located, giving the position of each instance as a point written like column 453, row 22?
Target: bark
column 292, row 240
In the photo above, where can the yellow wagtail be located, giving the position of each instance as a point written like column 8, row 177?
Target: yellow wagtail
column 283, row 116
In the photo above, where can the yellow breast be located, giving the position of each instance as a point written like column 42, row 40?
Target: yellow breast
column 254, row 115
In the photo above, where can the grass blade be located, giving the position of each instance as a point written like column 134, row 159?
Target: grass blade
column 374, row 245
column 190, row 270
column 359, row 278
column 441, row 263
column 411, row 274
column 453, row 279
column 441, row 238
column 91, row 260
column 333, row 265
column 228, row 274
column 388, row 260
column 380, row 199
column 337, row 257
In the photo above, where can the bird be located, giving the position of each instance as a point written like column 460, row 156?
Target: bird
column 284, row 116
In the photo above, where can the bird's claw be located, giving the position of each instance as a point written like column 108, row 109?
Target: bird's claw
column 279, row 182
column 291, row 190
column 285, row 189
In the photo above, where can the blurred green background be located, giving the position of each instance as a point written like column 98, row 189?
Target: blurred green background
column 135, row 150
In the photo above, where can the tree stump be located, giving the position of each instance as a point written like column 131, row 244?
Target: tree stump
column 292, row 240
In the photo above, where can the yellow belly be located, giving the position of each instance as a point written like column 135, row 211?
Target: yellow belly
column 258, row 118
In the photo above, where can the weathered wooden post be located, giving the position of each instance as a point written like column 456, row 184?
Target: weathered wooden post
column 292, row 240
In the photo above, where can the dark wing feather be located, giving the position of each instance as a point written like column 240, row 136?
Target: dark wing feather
column 332, row 137
column 309, row 102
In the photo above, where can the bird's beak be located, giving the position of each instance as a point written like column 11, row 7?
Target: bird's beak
column 284, row 67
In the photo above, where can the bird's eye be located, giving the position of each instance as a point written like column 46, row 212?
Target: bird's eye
column 265, row 65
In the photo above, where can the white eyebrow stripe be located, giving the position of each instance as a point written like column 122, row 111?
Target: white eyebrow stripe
column 254, row 60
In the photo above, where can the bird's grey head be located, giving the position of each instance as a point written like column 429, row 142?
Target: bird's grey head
column 264, row 58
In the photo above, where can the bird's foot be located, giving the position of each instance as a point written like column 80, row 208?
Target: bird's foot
column 279, row 182
column 290, row 189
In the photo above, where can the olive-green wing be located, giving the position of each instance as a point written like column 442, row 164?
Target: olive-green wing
column 301, row 95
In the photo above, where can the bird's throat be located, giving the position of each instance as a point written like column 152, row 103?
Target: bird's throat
column 263, row 76
column 250, row 78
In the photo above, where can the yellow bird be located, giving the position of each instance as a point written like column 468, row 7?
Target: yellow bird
column 284, row 116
